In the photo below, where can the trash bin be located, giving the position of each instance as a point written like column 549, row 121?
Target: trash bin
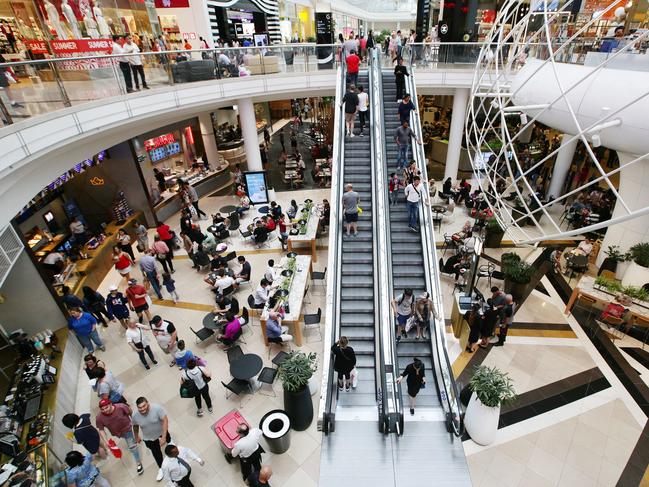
column 276, row 427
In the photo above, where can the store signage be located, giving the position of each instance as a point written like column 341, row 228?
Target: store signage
column 324, row 35
column 77, row 46
column 96, row 181
column 189, row 35
column 171, row 3
column 37, row 47
column 160, row 141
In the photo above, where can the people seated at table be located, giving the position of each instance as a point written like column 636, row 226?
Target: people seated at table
column 464, row 232
column 269, row 223
column 292, row 210
column 223, row 281
column 223, row 305
column 275, row 332
column 210, row 243
column 454, row 265
column 261, row 294
column 218, row 262
column 245, row 272
column 244, row 204
column 555, row 259
column 269, row 275
column 260, row 233
column 275, row 210
column 232, row 329
column 200, row 257
column 585, row 247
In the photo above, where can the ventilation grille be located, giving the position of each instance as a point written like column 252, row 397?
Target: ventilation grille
column 10, row 249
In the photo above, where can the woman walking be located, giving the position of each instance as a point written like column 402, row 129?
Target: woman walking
column 200, row 376
column 163, row 254
column 81, row 472
column 124, row 241
column 423, row 311
column 139, row 342
column 117, row 306
column 84, row 325
column 95, row 304
column 344, row 362
column 166, row 235
column 416, row 379
column 475, row 321
column 122, row 261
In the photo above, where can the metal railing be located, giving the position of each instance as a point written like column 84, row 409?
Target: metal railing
column 328, row 391
column 391, row 405
column 447, row 389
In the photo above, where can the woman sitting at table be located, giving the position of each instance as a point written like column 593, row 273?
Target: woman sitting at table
column 446, row 188
column 292, row 210
column 275, row 210
column 260, row 233
column 232, row 329
column 325, row 214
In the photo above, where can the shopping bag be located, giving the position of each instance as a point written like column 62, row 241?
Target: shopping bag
column 360, row 210
column 188, row 389
column 354, row 377
column 412, row 321
column 114, row 449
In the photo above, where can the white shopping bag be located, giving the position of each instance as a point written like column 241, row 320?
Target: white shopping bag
column 354, row 376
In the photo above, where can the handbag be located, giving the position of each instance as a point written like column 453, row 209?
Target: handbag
column 188, row 389
column 205, row 378
column 360, row 210
column 354, row 377
column 412, row 321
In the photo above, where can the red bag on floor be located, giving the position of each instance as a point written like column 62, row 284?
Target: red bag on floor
column 114, row 449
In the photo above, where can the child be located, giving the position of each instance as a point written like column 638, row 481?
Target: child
column 393, row 188
column 182, row 356
column 170, row 285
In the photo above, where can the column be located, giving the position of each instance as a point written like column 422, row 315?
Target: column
column 209, row 140
column 249, row 133
column 456, row 132
column 562, row 165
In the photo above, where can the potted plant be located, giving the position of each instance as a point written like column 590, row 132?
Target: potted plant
column 613, row 256
column 494, row 234
column 295, row 373
column 518, row 275
column 637, row 273
column 491, row 389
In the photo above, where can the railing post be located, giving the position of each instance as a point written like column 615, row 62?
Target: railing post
column 59, row 84
column 5, row 113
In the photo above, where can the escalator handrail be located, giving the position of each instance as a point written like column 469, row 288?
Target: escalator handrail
column 328, row 394
column 392, row 398
column 450, row 395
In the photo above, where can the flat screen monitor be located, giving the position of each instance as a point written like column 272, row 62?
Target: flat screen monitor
column 257, row 187
column 49, row 216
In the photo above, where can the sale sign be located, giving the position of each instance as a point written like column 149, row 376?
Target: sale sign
column 79, row 46
column 37, row 47
column 171, row 3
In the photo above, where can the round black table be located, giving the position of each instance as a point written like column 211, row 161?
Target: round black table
column 228, row 209
column 263, row 210
column 208, row 322
column 246, row 367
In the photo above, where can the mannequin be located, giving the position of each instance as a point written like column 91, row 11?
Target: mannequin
column 68, row 13
column 104, row 30
column 55, row 20
column 90, row 23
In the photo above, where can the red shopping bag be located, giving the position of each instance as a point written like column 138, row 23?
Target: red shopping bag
column 114, row 449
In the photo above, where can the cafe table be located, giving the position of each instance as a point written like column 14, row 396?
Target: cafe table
column 246, row 368
column 294, row 317
column 310, row 235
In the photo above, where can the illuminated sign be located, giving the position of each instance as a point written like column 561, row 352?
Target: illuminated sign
column 160, row 141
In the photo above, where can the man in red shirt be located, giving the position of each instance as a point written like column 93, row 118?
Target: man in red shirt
column 353, row 62
column 116, row 418
column 136, row 295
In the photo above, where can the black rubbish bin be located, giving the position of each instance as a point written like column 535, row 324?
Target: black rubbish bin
column 276, row 427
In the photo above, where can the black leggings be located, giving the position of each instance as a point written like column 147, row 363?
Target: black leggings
column 347, row 375
column 205, row 393
column 167, row 263
column 97, row 313
column 148, row 351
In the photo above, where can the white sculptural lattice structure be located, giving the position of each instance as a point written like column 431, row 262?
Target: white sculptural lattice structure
column 534, row 69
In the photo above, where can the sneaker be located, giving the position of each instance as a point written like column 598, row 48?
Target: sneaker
column 160, row 475
column 172, row 363
column 147, row 367
column 398, row 339
column 412, row 229
column 499, row 344
column 210, row 410
column 347, row 389
column 155, row 362
column 140, row 469
column 493, row 339
column 352, row 135
column 361, row 134
column 199, row 412
column 103, row 349
column 412, row 411
column 146, row 87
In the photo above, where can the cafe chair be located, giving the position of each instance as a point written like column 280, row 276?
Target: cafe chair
column 312, row 323
column 203, row 262
column 280, row 358
column 267, row 376
column 228, row 290
column 252, row 305
column 246, row 319
column 237, row 387
column 231, row 256
column 234, row 221
column 587, row 305
column 449, row 243
column 234, row 353
column 245, row 234
column 319, row 276
column 277, row 341
column 304, row 298
column 615, row 324
column 487, row 271
column 202, row 334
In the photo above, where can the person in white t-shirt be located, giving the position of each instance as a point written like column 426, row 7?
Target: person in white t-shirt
column 136, row 337
column 135, row 61
column 363, row 102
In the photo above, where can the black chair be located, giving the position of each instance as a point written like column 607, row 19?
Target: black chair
column 485, row 270
column 202, row 334
column 228, row 290
column 246, row 319
column 202, row 261
column 312, row 322
column 234, row 221
column 252, row 305
column 267, row 376
column 319, row 276
column 245, row 234
column 277, row 341
column 280, row 358
column 449, row 243
column 230, row 256
column 237, row 387
column 234, row 353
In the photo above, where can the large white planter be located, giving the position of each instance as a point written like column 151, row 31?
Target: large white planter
column 313, row 385
column 621, row 269
column 481, row 422
column 635, row 275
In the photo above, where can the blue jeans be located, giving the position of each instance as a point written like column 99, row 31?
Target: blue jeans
column 394, row 196
column 413, row 214
column 132, row 445
column 87, row 341
column 402, row 157
column 153, row 279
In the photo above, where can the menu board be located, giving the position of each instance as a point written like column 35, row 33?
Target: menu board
column 165, row 151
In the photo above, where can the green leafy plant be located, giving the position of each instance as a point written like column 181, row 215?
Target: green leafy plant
column 634, row 292
column 297, row 369
column 492, row 386
column 494, row 226
column 311, row 39
column 515, row 269
column 613, row 286
column 613, row 253
column 639, row 253
column 610, row 285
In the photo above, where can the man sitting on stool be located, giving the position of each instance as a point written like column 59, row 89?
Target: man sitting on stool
column 248, row 450
column 275, row 332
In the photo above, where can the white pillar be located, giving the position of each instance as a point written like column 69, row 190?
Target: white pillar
column 209, row 140
column 562, row 165
column 456, row 132
column 249, row 133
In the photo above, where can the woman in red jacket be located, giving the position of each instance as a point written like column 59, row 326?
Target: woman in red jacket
column 122, row 261
column 166, row 236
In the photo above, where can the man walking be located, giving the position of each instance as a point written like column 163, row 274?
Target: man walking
column 508, row 314
column 116, row 418
column 350, row 202
column 124, row 65
column 148, row 266
column 193, row 196
column 402, row 137
column 152, row 420
column 400, row 73
column 175, row 467
column 248, row 450
column 413, row 197
column 350, row 102
column 405, row 108
column 353, row 62
column 135, row 61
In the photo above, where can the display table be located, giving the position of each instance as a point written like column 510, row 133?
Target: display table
column 293, row 319
column 309, row 237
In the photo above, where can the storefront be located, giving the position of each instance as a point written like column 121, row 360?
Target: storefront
column 184, row 21
column 227, row 130
column 297, row 21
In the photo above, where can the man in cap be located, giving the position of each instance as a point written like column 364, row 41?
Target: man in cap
column 116, row 418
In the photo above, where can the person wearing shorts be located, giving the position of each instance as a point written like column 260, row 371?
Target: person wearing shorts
column 350, row 202
column 350, row 103
column 137, row 295
column 403, row 307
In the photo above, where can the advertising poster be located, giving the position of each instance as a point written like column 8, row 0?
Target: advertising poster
column 257, row 187
column 324, row 35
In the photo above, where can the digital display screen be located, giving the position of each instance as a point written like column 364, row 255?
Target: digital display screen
column 163, row 152
column 257, row 187
column 49, row 216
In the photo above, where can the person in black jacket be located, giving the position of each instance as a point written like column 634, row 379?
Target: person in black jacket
column 344, row 362
column 416, row 378
column 95, row 304
column 400, row 73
